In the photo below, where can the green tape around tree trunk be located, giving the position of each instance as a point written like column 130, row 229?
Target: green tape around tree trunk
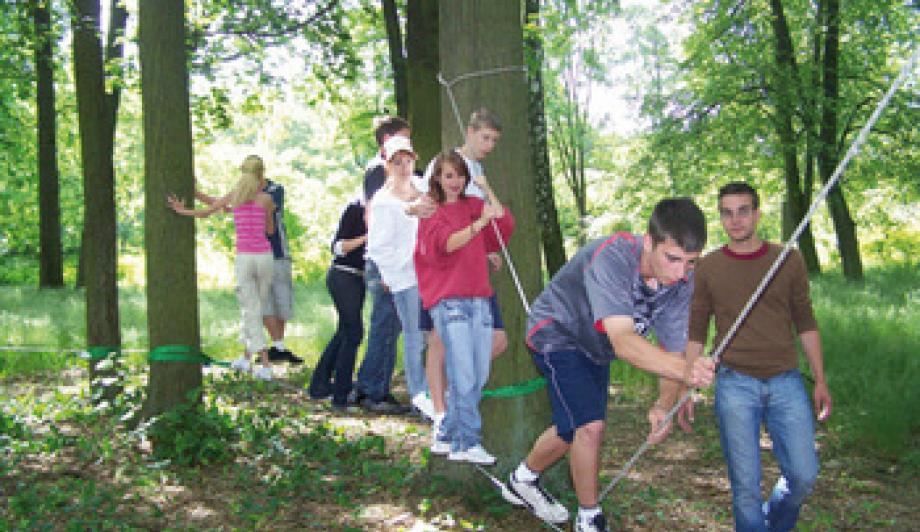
column 98, row 352
column 183, row 353
column 516, row 390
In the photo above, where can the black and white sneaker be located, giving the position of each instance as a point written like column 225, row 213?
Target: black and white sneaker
column 598, row 523
column 541, row 503
column 283, row 355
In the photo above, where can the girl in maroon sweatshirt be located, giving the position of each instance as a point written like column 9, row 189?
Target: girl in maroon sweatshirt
column 453, row 279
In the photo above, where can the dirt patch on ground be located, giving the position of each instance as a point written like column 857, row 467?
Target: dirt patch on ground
column 367, row 472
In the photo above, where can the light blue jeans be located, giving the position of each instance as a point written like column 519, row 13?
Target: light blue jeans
column 465, row 327
column 408, row 307
column 377, row 367
column 743, row 403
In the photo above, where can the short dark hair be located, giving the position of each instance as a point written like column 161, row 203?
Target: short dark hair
column 681, row 220
column 451, row 157
column 483, row 117
column 740, row 187
column 388, row 125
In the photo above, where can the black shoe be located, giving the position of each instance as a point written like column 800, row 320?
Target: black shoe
column 283, row 355
column 319, row 395
column 382, row 406
column 275, row 354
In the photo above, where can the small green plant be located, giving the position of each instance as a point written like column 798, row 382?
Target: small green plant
column 192, row 434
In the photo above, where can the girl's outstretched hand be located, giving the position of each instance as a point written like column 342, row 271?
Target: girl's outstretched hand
column 176, row 204
column 481, row 182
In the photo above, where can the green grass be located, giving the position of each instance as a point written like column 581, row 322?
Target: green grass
column 53, row 322
column 870, row 334
column 871, row 338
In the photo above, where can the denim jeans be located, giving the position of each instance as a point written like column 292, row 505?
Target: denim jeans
column 408, row 305
column 347, row 291
column 377, row 368
column 743, row 403
column 465, row 327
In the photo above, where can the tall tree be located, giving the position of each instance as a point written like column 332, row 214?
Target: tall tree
column 172, row 293
column 51, row 263
column 497, row 43
column 397, row 55
column 828, row 154
column 547, row 216
column 785, row 87
column 100, row 249
column 422, row 88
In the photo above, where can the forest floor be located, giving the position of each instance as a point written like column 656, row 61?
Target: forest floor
column 294, row 464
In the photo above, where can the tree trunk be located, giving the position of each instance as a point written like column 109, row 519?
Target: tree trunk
column 547, row 216
column 497, row 43
column 114, row 55
column 51, row 266
column 397, row 55
column 828, row 156
column 172, row 293
column 99, row 244
column 784, row 107
column 424, row 92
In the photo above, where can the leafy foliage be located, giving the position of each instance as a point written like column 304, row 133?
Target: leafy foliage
column 192, row 434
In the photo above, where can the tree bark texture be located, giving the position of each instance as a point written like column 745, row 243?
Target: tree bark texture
column 828, row 155
column 172, row 293
column 784, row 105
column 397, row 55
column 99, row 243
column 547, row 215
column 423, row 89
column 510, row 425
column 51, row 262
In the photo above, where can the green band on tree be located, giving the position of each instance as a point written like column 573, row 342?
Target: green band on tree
column 515, row 390
column 99, row 352
column 182, row 353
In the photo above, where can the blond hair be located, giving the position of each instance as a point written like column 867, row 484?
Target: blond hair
column 250, row 182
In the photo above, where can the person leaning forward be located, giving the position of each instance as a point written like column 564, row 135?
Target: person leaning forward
column 600, row 306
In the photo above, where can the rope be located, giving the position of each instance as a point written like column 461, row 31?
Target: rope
column 453, row 104
column 835, row 177
column 537, row 383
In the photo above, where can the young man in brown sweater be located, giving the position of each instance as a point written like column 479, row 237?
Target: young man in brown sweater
column 758, row 381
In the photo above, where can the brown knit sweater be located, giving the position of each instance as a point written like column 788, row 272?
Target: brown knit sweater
column 764, row 344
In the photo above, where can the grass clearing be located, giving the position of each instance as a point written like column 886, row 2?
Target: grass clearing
column 257, row 455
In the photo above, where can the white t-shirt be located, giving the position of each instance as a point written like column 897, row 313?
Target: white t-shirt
column 391, row 238
column 472, row 189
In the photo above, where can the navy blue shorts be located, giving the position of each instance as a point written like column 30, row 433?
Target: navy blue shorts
column 425, row 323
column 577, row 389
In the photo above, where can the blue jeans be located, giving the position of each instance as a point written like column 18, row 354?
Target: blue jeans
column 465, row 327
column 408, row 303
column 376, row 369
column 743, row 403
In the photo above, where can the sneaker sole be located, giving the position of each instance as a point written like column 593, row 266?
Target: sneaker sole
column 466, row 460
column 527, row 505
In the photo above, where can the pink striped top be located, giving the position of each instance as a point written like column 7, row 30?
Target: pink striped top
column 249, row 219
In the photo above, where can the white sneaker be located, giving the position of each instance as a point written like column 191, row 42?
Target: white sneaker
column 264, row 373
column 474, row 455
column 424, row 405
column 439, row 447
column 598, row 523
column 240, row 364
column 538, row 500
